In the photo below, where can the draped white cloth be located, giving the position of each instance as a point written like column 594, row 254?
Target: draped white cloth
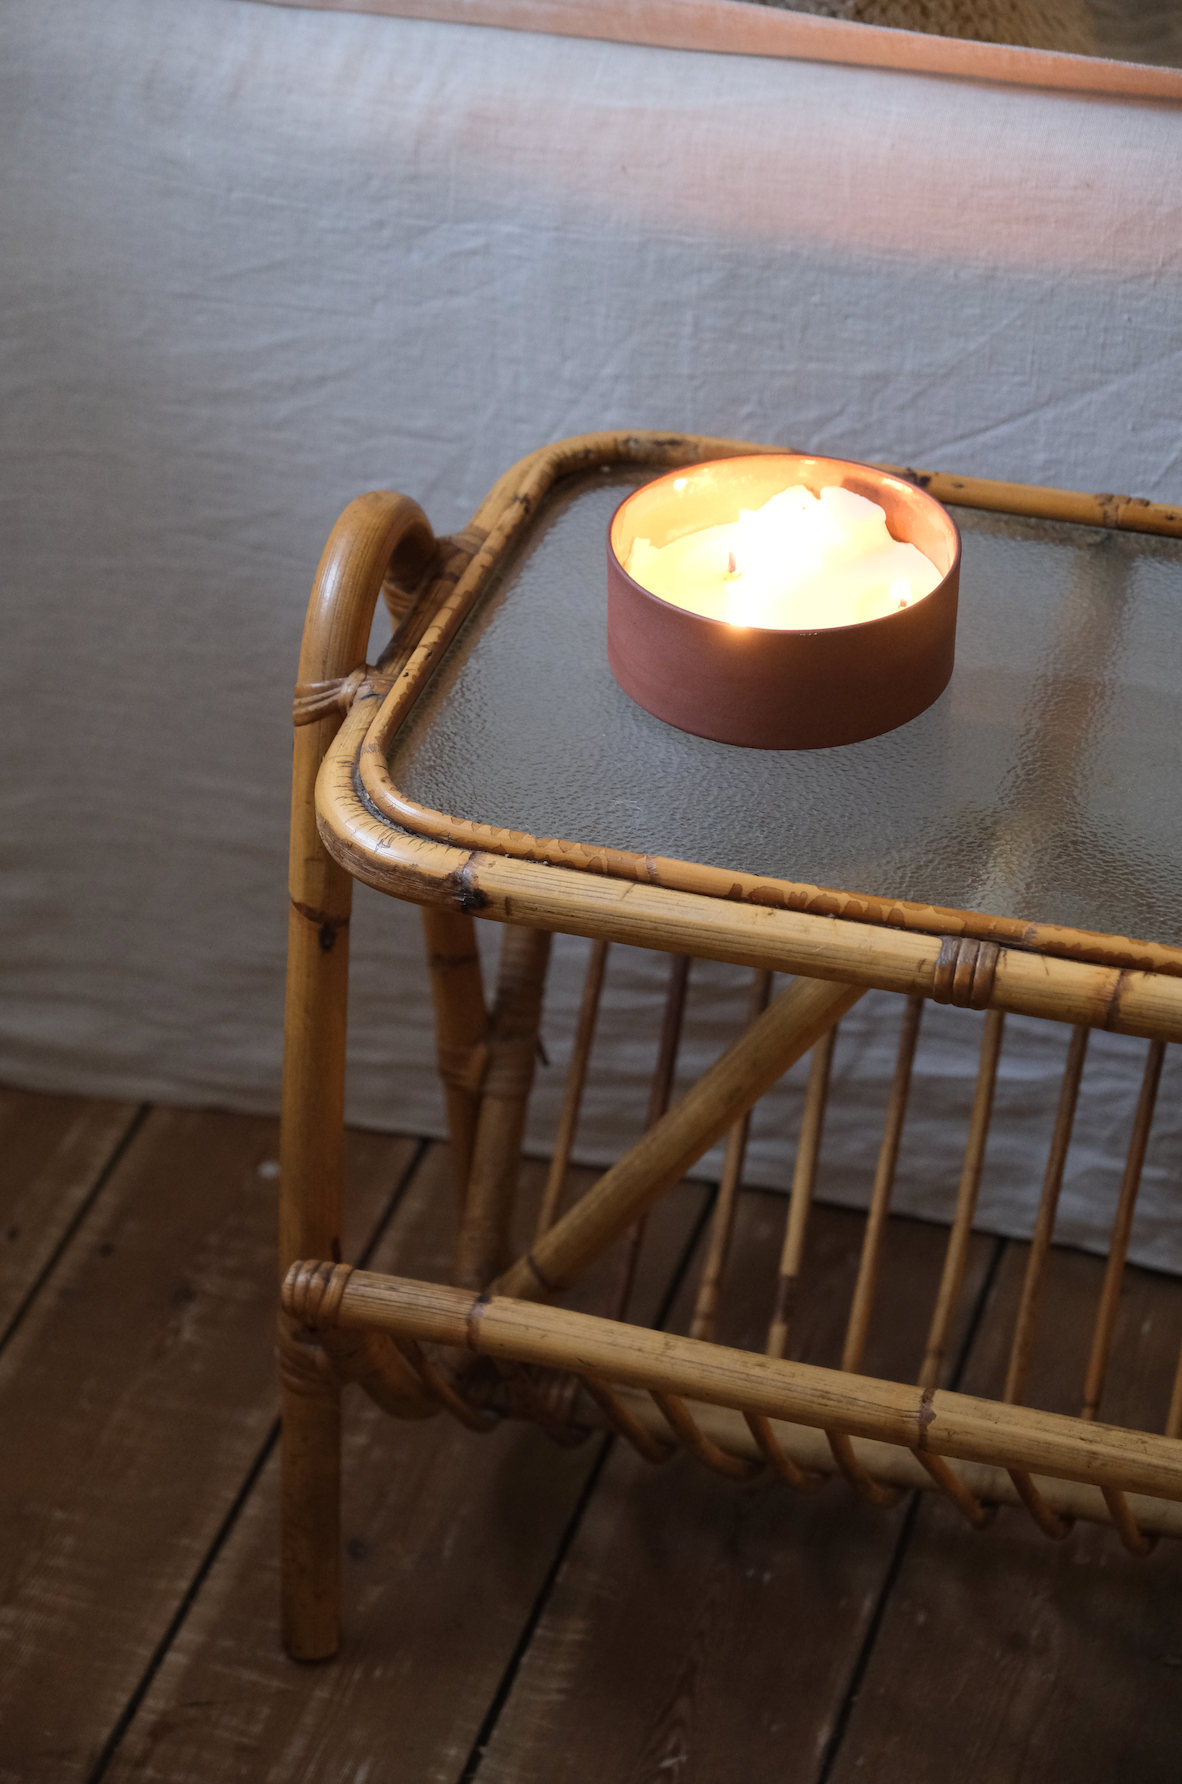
column 255, row 259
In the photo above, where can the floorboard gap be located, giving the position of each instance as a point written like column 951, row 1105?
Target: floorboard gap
column 118, row 1153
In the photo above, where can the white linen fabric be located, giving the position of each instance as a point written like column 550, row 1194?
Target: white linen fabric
column 254, row 260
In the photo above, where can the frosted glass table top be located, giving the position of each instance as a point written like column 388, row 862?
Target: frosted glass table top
column 1042, row 785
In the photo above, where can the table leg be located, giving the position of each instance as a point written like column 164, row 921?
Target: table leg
column 311, row 1172
column 378, row 535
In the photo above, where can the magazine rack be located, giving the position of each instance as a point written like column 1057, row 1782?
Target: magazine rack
column 494, row 697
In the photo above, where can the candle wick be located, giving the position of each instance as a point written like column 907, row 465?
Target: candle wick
column 732, row 569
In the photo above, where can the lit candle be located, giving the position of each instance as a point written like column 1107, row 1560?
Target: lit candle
column 800, row 562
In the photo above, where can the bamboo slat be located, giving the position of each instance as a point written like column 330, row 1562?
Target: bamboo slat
column 722, row 1220
column 1044, row 1225
column 1118, row 1244
column 564, row 1139
column 804, row 1182
column 660, row 1090
column 880, row 1197
column 966, row 1205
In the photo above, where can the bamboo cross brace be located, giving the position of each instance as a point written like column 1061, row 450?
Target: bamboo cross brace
column 733, row 1084
column 942, row 1423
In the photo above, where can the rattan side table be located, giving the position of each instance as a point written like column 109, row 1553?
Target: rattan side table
column 978, row 887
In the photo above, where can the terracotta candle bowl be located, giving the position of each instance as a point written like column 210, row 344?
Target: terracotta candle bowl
column 773, row 689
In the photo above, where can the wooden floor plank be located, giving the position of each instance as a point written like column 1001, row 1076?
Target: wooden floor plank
column 703, row 1631
column 448, row 1538
column 53, row 1151
column 152, row 1344
column 1026, row 1659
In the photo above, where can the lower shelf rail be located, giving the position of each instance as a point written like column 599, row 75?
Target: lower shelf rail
column 742, row 1414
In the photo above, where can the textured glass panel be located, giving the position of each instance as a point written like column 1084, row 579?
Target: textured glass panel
column 1043, row 784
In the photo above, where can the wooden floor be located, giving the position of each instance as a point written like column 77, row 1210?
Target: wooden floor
column 515, row 1612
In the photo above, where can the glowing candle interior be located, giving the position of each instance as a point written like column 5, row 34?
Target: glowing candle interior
column 799, row 563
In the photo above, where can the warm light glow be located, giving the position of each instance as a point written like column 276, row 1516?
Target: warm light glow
column 800, row 563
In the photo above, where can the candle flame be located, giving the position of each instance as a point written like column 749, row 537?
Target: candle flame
column 900, row 592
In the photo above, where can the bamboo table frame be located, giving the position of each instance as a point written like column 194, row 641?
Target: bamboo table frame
column 736, row 1411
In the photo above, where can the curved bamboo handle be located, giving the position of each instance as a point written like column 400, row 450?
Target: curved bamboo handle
column 379, row 532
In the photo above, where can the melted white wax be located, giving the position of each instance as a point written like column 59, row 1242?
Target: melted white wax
column 799, row 563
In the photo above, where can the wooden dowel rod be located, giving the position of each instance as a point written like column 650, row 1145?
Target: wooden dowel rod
column 722, row 1221
column 457, row 991
column 575, row 1082
column 1044, row 1226
column 945, row 1423
column 787, row 1029
column 966, row 1205
column 1118, row 1244
column 660, row 1091
column 884, row 1183
column 513, row 1038
column 804, row 1182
